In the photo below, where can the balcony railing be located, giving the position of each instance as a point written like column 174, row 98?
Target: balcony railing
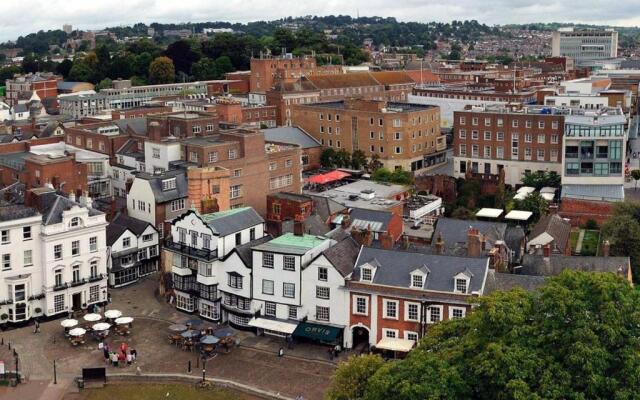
column 94, row 278
column 61, row 286
column 78, row 282
column 207, row 255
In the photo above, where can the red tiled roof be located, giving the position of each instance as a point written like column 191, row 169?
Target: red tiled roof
column 392, row 77
column 423, row 76
column 353, row 79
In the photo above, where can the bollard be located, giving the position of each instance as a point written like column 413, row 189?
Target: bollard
column 55, row 375
column 197, row 362
column 189, row 366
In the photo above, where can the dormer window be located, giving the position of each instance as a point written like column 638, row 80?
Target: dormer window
column 168, row 184
column 417, row 281
column 75, row 221
column 366, row 275
column 461, row 285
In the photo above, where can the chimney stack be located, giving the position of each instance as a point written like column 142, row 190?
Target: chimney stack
column 72, row 196
column 386, row 241
column 439, row 244
column 298, row 228
column 606, row 247
column 474, row 248
column 546, row 251
column 346, row 220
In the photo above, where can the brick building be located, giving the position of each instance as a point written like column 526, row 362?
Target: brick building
column 396, row 295
column 45, row 85
column 487, row 139
column 140, row 112
column 403, row 135
column 267, row 71
column 527, row 96
column 233, row 111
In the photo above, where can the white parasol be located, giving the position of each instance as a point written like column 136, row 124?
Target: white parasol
column 77, row 332
column 112, row 314
column 101, row 326
column 69, row 323
column 124, row 320
column 92, row 317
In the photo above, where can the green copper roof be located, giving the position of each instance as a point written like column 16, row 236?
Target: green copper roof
column 292, row 244
column 220, row 214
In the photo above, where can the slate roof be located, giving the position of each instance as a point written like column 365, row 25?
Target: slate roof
column 539, row 265
column 246, row 254
column 137, row 226
column 137, row 125
column 454, row 233
column 114, row 231
column 513, row 238
column 155, row 181
column 497, row 281
column 10, row 212
column 53, row 205
column 227, row 222
column 130, row 148
column 326, row 207
column 291, row 135
column 378, row 220
column 395, row 267
column 343, row 255
column 555, row 226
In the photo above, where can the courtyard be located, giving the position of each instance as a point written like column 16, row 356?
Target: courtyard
column 255, row 365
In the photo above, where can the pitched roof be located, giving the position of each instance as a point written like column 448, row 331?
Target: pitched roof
column 513, row 238
column 114, row 231
column 326, row 207
column 291, row 135
column 130, row 149
column 300, row 85
column 395, row 267
column 556, row 227
column 539, row 265
column 354, row 79
column 155, row 182
column 137, row 226
column 244, row 250
column 378, row 221
column 54, row 205
column 392, row 77
column 454, row 233
column 422, row 76
column 497, row 281
column 137, row 125
column 234, row 220
column 343, row 255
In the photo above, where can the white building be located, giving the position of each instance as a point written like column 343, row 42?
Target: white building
column 584, row 44
column 129, row 159
column 277, row 281
column 197, row 245
column 134, row 251
column 325, row 298
column 158, row 155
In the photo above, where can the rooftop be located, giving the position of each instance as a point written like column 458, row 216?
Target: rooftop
column 292, row 244
column 391, row 107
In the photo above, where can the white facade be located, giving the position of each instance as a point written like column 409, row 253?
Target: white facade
column 323, row 289
column 74, row 255
column 583, row 45
column 157, row 156
column 123, row 172
column 133, row 256
column 141, row 203
column 514, row 169
column 589, row 102
column 21, row 272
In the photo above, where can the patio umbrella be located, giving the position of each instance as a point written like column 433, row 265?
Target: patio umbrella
column 69, row 323
column 113, row 314
column 101, row 326
column 209, row 339
column 77, row 332
column 224, row 332
column 190, row 334
column 194, row 322
column 178, row 328
column 93, row 317
column 124, row 320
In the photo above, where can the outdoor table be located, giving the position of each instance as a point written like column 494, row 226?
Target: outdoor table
column 101, row 326
column 123, row 320
column 208, row 339
column 190, row 334
column 113, row 314
column 178, row 328
column 223, row 333
column 194, row 322
column 77, row 332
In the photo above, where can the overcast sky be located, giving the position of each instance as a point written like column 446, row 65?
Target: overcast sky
column 20, row 17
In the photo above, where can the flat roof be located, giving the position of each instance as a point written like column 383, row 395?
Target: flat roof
column 518, row 215
column 292, row 244
column 489, row 212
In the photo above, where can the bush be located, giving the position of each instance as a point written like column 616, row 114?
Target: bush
column 591, row 224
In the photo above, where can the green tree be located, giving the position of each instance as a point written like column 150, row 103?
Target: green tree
column 106, row 83
column 535, row 203
column 141, row 64
column 64, row 67
column 635, row 174
column 540, row 179
column 401, row 177
column 81, row 72
column 358, row 159
column 342, row 158
column 351, row 378
column 183, row 55
column 575, row 338
column 205, row 70
column 375, row 163
column 161, row 70
column 327, row 158
column 224, row 65
column 623, row 233
column 381, row 175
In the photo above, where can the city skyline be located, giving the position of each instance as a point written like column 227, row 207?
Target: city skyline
column 24, row 17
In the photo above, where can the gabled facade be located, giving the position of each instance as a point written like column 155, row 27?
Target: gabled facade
column 133, row 248
column 196, row 246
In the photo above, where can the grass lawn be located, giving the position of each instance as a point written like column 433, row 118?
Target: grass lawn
column 590, row 243
column 146, row 391
column 573, row 239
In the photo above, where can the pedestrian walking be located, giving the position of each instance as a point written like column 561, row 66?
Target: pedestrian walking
column 129, row 359
column 134, row 354
column 36, row 329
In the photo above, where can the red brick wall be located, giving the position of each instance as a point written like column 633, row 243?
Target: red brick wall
column 579, row 211
column 396, row 227
column 289, row 208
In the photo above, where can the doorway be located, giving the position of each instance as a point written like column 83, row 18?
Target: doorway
column 76, row 301
column 360, row 339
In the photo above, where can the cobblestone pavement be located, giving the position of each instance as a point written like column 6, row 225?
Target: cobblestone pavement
column 299, row 372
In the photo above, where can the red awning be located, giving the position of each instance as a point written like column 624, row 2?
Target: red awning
column 332, row 176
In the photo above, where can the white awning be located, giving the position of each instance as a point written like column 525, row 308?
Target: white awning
column 526, row 189
column 548, row 189
column 519, row 215
column 548, row 196
column 393, row 344
column 273, row 325
column 489, row 212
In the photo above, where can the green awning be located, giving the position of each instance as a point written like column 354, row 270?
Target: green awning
column 323, row 333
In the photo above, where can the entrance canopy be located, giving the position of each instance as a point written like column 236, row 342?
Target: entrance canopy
column 322, row 333
column 393, row 344
column 273, row 325
column 329, row 177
